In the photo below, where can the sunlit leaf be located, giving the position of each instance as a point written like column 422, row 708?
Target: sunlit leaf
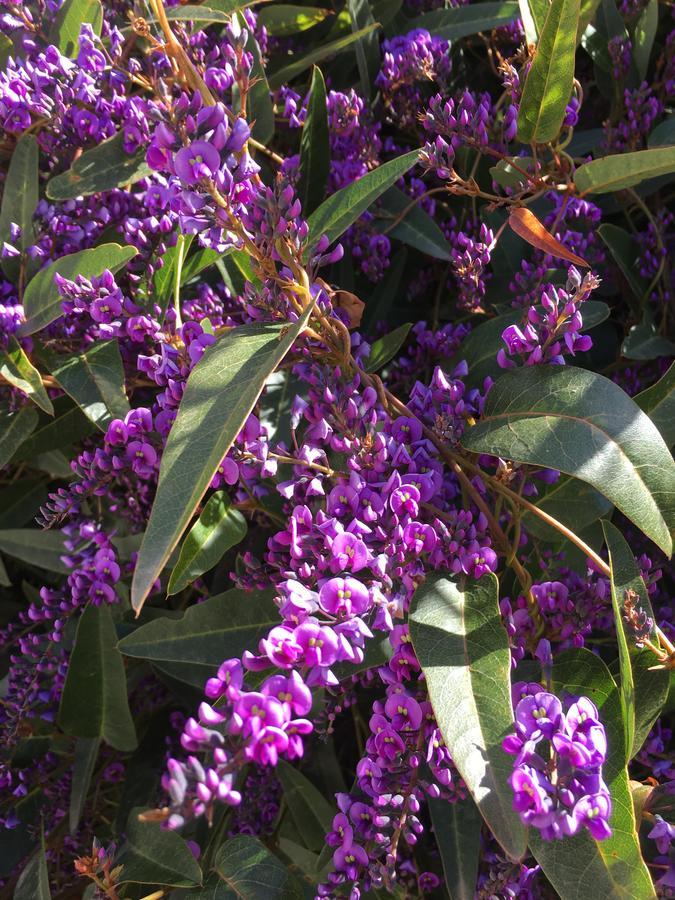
column 19, row 371
column 101, row 168
column 65, row 29
column 527, row 226
column 386, row 348
column 614, row 173
column 19, row 199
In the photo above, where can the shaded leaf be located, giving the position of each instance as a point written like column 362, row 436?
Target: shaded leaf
column 33, row 883
column 644, row 342
column 94, row 702
column 506, row 175
column 585, row 425
column 368, row 45
column 527, row 226
column 42, row 301
column 154, row 855
column 463, row 650
column 65, row 31
column 261, row 110
column 324, row 51
column 101, row 168
column 68, row 426
column 283, row 19
column 21, row 500
column 457, row 832
column 19, row 371
column 14, row 430
column 218, row 528
column 664, row 133
column 643, row 37
column 453, row 23
column 86, row 754
column 19, row 199
column 658, row 401
column 314, row 146
column 614, row 173
column 386, row 348
column 416, row 228
column 251, row 872
column 626, row 254
column 312, row 814
column 43, row 549
column 571, row 502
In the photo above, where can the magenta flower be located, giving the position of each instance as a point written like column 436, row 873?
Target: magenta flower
column 344, row 597
column 349, row 552
column 199, row 160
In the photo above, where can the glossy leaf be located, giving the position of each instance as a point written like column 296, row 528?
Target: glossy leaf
column 626, row 254
column 548, row 85
column 218, row 528
column 386, row 348
column 462, row 647
column 19, row 199
column 457, row 832
column 400, row 217
column 220, row 393
column 42, row 301
column 154, row 855
column 283, row 19
column 14, row 430
column 65, row 31
column 314, row 146
column 33, row 883
column 343, row 208
column 580, row 867
column 19, row 371
column 251, row 872
column 95, row 381
column 614, row 173
column 527, row 226
column 453, row 23
column 318, row 54
column 86, row 754
column 94, row 702
column 43, row 549
column 583, row 424
column 311, row 813
column 658, row 401
column 102, row 168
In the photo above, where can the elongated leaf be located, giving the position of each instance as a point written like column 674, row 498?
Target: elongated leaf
column 19, row 199
column 215, row 12
column 43, row 549
column 533, row 14
column 664, row 133
column 658, row 402
column 571, row 502
column 367, row 47
column 580, row 867
column 19, row 371
column 318, row 54
column 548, row 85
column 643, row 37
column 343, row 208
column 42, row 301
column 261, row 110
column 416, row 228
column 14, row 430
column 68, row 426
column 94, row 703
column 463, row 650
column 153, row 855
column 65, row 31
column 586, row 426
column 251, row 872
column 527, row 226
column 95, row 381
column 626, row 254
column 314, row 146
column 218, row 528
column 643, row 692
column 457, row 832
column 453, row 23
column 33, row 883
column 283, row 19
column 102, row 168
column 614, row 173
column 644, row 342
column 312, row 814
column 86, row 754
column 21, row 500
column 221, row 391
column 386, row 348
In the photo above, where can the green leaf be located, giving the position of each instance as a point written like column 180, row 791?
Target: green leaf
column 453, row 23
column 643, row 37
column 65, row 31
column 386, row 348
column 221, row 391
column 579, row 422
column 19, row 198
column 643, row 692
column 457, row 832
column 102, row 168
column 19, row 371
column 548, row 85
column 463, row 650
column 312, row 814
column 21, row 500
column 43, row 549
column 95, row 381
column 343, row 208
column 215, row 12
column 94, row 702
column 626, row 254
column 33, row 883
column 68, row 426
column 416, row 228
column 281, row 76
column 314, row 146
column 218, row 528
column 664, row 133
column 658, row 401
column 614, row 173
column 580, row 867
column 42, row 301
column 261, row 110
column 251, row 872
column 154, row 855
column 571, row 502
column 644, row 342
column 368, row 45
column 283, row 19
column 222, row 626
column 86, row 754
column 14, row 430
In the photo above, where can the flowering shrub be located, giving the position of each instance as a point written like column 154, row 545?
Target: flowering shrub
column 335, row 482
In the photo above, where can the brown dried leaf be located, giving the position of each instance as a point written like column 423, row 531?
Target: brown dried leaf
column 527, row 226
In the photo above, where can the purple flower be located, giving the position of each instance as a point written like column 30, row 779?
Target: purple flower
column 344, row 597
column 593, row 811
column 197, row 161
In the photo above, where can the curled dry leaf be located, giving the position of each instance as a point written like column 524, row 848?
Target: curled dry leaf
column 527, row 226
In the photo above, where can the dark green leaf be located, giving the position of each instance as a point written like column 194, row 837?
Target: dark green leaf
column 453, row 23
column 314, row 146
column 19, row 199
column 664, row 133
column 548, row 85
column 457, row 832
column 626, row 254
column 153, row 855
column 86, row 754
column 218, row 528
column 324, row 51
column 42, row 301
column 220, row 393
column 261, row 111
column 69, row 426
column 94, row 702
column 95, row 381
column 579, row 867
column 65, row 31
column 644, row 342
column 583, row 424
column 367, row 47
column 416, row 228
column 19, row 371
column 283, row 19
column 506, row 175
column 386, row 348
column 43, row 549
column 251, row 872
column 21, row 500
column 643, row 37
column 6, row 49
column 164, row 280
column 343, row 208
column 463, row 650
column 33, row 883
column 614, row 173
column 658, row 401
column 571, row 502
column 14, row 430
column 102, row 168
column 312, row 814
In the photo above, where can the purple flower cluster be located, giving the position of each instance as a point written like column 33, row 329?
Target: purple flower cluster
column 407, row 60
column 454, row 122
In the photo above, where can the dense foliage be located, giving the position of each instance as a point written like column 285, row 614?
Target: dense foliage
column 336, row 497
